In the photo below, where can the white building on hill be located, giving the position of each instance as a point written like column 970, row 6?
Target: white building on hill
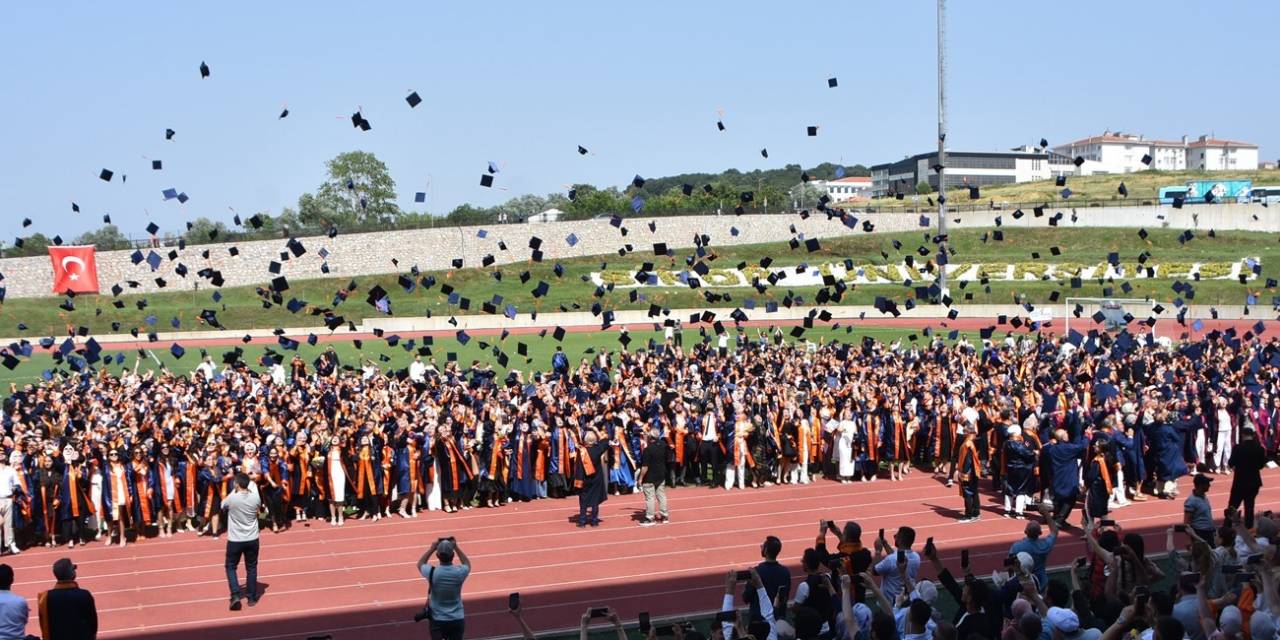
column 1116, row 152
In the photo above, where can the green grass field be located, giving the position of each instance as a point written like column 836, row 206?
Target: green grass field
column 240, row 307
column 479, row 348
column 1142, row 186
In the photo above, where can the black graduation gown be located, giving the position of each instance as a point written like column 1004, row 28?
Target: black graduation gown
column 594, row 489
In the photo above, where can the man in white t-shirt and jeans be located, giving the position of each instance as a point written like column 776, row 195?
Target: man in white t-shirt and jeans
column 444, row 588
column 242, row 507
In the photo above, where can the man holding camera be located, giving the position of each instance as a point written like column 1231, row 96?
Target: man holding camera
column 444, row 589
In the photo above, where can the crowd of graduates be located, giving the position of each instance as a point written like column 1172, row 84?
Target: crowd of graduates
column 140, row 454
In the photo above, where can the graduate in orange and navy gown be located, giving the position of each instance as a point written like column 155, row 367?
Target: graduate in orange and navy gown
column 364, row 460
column 453, row 466
column 142, row 486
column 590, row 478
column 73, row 497
column 528, row 464
column 563, row 447
column 302, row 478
column 275, row 476
column 969, row 467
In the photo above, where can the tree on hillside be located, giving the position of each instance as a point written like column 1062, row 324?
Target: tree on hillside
column 591, row 201
column 105, row 239
column 36, row 244
column 466, row 214
column 205, row 230
column 359, row 190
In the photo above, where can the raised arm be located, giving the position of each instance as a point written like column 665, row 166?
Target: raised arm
column 617, row 625
column 422, row 561
column 766, row 605
column 881, row 600
column 525, row 631
column 851, row 628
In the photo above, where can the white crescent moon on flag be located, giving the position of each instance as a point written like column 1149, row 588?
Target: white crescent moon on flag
column 74, row 260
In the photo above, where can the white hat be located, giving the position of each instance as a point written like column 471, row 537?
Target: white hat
column 1231, row 621
column 1064, row 620
column 926, row 591
column 1012, row 430
column 1025, row 560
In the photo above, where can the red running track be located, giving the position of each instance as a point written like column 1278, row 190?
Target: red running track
column 358, row 580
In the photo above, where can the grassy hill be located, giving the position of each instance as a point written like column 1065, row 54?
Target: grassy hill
column 242, row 307
column 1142, row 186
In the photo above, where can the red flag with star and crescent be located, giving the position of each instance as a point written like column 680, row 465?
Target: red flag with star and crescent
column 74, row 269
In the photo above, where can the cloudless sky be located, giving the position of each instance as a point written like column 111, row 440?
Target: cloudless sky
column 93, row 85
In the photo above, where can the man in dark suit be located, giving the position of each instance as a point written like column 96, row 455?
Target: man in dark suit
column 1247, row 460
column 67, row 612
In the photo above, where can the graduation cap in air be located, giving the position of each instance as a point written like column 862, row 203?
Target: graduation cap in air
column 974, row 193
column 764, row 153
column 156, row 165
column 1146, row 159
column 720, row 125
column 283, row 114
column 1060, row 181
column 106, row 174
column 358, row 121
column 1123, row 190
column 832, row 83
column 1078, row 161
column 812, row 131
column 204, row 70
column 486, row 180
column 413, row 99
column 582, row 150
column 169, row 134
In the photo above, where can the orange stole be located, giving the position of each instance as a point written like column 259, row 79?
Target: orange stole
column 971, row 451
column 364, row 472
column 588, row 467
column 1103, row 471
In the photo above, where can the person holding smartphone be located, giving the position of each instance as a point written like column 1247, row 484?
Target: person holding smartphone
column 887, row 560
column 444, row 588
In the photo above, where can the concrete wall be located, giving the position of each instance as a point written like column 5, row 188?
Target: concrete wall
column 434, row 249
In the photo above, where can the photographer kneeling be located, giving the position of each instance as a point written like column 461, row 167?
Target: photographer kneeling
column 444, row 589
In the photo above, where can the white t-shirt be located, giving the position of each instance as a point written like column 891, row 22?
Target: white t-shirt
column 887, row 568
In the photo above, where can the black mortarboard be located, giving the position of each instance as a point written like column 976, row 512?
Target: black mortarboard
column 582, row 150
column 720, row 125
column 106, row 174
column 973, row 193
column 486, row 180
column 1146, row 159
column 1060, row 181
column 1079, row 160
column 169, row 134
column 156, row 165
column 152, row 228
column 204, row 70
column 812, row 131
column 413, row 99
column 558, row 334
column 764, row 153
column 1123, row 190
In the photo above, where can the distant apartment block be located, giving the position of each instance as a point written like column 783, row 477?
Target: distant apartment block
column 1123, row 153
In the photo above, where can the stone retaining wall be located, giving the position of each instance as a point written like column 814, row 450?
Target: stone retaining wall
column 433, row 249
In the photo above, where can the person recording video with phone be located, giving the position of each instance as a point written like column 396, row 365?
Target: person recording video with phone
column 444, row 589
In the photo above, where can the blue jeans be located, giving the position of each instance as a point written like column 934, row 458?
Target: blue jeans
column 249, row 550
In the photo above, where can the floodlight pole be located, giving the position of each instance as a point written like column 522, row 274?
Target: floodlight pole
column 942, row 150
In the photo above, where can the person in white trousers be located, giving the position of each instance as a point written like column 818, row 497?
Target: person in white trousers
column 1226, row 436
column 9, row 494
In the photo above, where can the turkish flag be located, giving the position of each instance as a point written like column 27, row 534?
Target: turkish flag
column 74, row 269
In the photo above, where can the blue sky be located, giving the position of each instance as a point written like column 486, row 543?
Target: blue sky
column 91, row 85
